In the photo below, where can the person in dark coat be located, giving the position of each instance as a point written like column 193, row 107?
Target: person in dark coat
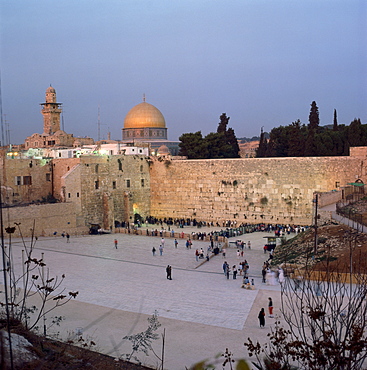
column 169, row 272
column 262, row 318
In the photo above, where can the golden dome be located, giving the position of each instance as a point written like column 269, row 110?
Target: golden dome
column 144, row 115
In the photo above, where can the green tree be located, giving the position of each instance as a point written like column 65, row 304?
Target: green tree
column 220, row 144
column 232, row 142
column 193, row 146
column 355, row 133
column 278, row 142
column 215, row 144
column 313, row 118
column 313, row 125
column 263, row 144
column 222, row 127
column 296, row 139
column 335, row 122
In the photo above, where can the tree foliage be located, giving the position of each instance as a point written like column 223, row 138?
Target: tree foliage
column 143, row 341
column 33, row 281
column 220, row 144
column 299, row 140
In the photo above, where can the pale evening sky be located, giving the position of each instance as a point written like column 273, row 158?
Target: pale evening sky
column 260, row 61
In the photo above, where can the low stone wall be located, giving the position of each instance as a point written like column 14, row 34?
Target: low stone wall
column 339, row 277
column 330, row 197
column 45, row 219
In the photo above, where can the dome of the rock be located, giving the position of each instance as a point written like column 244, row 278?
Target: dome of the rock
column 144, row 115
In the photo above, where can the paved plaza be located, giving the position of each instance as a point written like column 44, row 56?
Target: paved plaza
column 202, row 312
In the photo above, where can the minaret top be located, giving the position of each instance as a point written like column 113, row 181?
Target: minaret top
column 50, row 95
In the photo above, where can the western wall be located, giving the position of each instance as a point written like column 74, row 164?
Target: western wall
column 252, row 190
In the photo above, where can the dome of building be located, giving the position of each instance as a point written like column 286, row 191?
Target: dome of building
column 144, row 115
column 163, row 150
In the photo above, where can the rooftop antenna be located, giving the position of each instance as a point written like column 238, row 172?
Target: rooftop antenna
column 99, row 124
column 7, row 131
column 1, row 117
column 62, row 121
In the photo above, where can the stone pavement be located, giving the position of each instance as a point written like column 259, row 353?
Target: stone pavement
column 202, row 312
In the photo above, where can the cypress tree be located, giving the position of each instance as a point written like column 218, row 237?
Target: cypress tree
column 335, row 122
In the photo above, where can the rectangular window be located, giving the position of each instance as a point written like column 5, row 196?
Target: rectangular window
column 69, row 195
column 142, row 183
column 18, row 180
column 27, row 180
column 96, row 184
column 128, row 183
column 113, row 184
column 77, row 195
column 337, row 184
column 48, row 177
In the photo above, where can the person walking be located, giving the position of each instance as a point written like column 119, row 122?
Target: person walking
column 67, row 238
column 224, row 266
column 176, row 243
column 115, row 242
column 169, row 272
column 161, row 250
column 153, row 251
column 261, row 318
column 270, row 306
column 197, row 255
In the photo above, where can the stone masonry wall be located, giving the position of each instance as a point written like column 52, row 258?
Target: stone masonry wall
column 24, row 180
column 46, row 219
column 108, row 189
column 269, row 190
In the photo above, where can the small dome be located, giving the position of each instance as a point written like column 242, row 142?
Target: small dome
column 163, row 150
column 144, row 115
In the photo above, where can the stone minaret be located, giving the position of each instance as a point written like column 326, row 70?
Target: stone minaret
column 51, row 112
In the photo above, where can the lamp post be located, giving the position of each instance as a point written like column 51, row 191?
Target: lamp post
column 315, row 225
